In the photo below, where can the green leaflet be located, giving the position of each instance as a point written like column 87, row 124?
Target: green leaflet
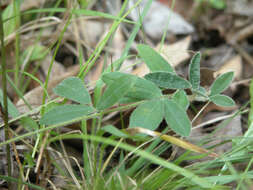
column 168, row 80
column 115, row 91
column 221, row 83
column 177, row 118
column 11, row 107
column 62, row 114
column 9, row 26
column 128, row 100
column 222, row 100
column 153, row 60
column 35, row 52
column 181, row 99
column 218, row 4
column 29, row 124
column 73, row 88
column 148, row 115
column 194, row 71
column 142, row 89
column 109, row 78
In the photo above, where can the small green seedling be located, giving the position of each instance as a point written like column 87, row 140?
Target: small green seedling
column 146, row 93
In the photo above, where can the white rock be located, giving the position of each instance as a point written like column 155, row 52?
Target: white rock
column 158, row 17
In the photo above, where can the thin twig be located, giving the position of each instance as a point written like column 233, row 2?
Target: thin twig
column 243, row 53
column 198, row 114
column 216, row 120
column 242, row 34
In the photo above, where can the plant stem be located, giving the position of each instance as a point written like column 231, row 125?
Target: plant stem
column 16, row 9
column 5, row 103
column 85, row 117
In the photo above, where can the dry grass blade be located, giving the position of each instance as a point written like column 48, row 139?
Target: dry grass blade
column 110, row 157
column 179, row 142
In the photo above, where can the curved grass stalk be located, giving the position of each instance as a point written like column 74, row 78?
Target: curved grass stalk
column 201, row 182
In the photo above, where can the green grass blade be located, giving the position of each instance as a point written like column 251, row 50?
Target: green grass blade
column 201, row 182
column 12, row 179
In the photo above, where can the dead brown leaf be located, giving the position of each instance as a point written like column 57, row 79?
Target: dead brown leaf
column 175, row 53
column 234, row 64
column 34, row 97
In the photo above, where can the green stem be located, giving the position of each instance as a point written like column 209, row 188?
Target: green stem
column 92, row 59
column 5, row 103
column 85, row 117
column 52, row 61
column 134, row 33
column 16, row 6
column 86, row 152
column 165, row 29
column 47, row 80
